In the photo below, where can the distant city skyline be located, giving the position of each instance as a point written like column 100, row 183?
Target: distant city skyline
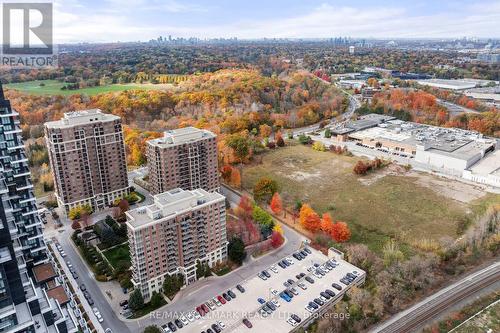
column 142, row 20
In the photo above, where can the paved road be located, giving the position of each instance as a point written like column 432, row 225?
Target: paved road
column 455, row 109
column 86, row 277
column 415, row 317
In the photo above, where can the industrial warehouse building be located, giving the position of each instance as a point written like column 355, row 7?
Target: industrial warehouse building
column 450, row 151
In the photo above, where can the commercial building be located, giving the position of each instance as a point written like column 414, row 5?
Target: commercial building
column 172, row 235
column 450, row 151
column 448, row 84
column 25, row 305
column 87, row 156
column 183, row 158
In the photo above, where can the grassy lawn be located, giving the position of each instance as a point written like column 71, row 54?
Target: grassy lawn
column 118, row 254
column 386, row 206
column 53, row 87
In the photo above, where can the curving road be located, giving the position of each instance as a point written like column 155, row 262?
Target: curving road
column 417, row 316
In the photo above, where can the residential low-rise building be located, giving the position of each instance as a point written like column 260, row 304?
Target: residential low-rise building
column 169, row 237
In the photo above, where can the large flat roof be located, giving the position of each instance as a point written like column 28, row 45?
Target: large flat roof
column 82, row 117
column 490, row 165
column 181, row 136
column 169, row 204
column 448, row 84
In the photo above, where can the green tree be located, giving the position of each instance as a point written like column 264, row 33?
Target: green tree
column 304, row 139
column 152, row 329
column 157, row 300
column 328, row 133
column 236, row 250
column 239, row 145
column 264, row 219
column 136, row 300
column 265, row 189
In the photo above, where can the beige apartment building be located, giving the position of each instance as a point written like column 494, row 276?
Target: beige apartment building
column 183, row 158
column 170, row 236
column 87, row 157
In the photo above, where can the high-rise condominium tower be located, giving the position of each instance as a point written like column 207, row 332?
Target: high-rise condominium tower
column 170, row 236
column 184, row 158
column 87, row 156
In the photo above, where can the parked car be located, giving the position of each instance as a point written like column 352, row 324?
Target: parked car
column 216, row 328
column 325, row 295
column 336, row 286
column 221, row 299
column 281, row 264
column 302, row 286
column 285, row 297
column 291, row 321
column 307, row 250
column 231, row 293
column 263, row 277
column 122, row 303
column 226, row 297
column 273, row 268
column 266, row 274
column 318, row 301
column 184, row 320
column 172, row 327
column 178, row 323
column 296, row 318
column 309, row 279
column 247, row 323
column 313, row 305
column 240, row 288
column 83, row 288
column 261, row 300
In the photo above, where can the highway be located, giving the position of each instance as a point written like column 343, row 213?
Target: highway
column 414, row 318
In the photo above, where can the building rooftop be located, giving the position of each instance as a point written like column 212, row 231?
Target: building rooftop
column 490, row 165
column 181, row 136
column 58, row 293
column 75, row 118
column 170, row 204
column 449, row 84
column 453, row 142
column 44, row 272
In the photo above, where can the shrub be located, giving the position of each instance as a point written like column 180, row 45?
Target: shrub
column 265, row 189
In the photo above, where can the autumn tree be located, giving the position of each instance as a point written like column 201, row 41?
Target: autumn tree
column 326, row 223
column 265, row 130
column 276, row 239
column 265, row 189
column 340, row 232
column 279, row 140
column 235, row 179
column 245, row 207
column 276, row 204
column 309, row 219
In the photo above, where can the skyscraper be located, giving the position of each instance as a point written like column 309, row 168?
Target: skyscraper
column 87, row 156
column 24, row 305
column 184, row 158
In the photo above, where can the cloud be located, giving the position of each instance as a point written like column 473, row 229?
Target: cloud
column 129, row 20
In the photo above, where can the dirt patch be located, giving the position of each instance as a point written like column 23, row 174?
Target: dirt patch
column 449, row 188
column 391, row 170
column 301, row 175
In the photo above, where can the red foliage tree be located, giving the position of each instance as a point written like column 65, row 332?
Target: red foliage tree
column 279, row 140
column 361, row 168
column 276, row 239
column 76, row 225
column 245, row 208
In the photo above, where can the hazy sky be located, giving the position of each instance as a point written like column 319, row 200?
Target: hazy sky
column 130, row 20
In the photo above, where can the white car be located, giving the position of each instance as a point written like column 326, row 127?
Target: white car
column 273, row 268
column 98, row 315
column 276, row 303
column 302, row 286
column 166, row 329
column 189, row 316
column 274, row 292
column 263, row 313
column 221, row 324
column 291, row 321
column 309, row 308
column 63, row 254
column 196, row 315
column 217, row 302
column 290, row 260
column 262, row 276
column 184, row 320
column 323, row 299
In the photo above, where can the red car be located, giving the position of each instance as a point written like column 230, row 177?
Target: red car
column 221, row 299
column 205, row 308
column 200, row 311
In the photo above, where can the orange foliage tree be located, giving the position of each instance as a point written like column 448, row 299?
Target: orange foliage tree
column 276, row 204
column 309, row 219
column 340, row 232
column 326, row 223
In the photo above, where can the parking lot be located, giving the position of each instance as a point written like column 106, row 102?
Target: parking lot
column 258, row 292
